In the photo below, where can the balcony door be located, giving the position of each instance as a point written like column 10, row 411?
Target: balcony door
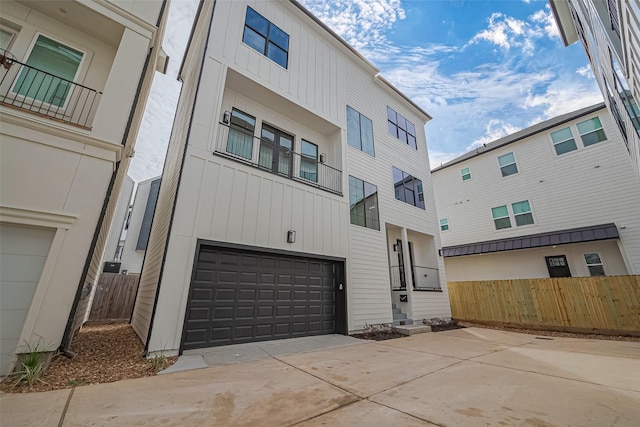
column 401, row 263
column 276, row 149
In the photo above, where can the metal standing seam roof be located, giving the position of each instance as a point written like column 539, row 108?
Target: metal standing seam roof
column 562, row 237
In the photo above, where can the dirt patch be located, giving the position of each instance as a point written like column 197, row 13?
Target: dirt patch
column 551, row 333
column 378, row 333
column 105, row 353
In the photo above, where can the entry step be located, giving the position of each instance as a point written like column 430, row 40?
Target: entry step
column 413, row 329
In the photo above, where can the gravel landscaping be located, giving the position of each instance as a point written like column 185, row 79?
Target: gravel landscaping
column 105, row 353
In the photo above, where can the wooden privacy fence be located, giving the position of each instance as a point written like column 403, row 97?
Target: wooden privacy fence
column 608, row 304
column 114, row 297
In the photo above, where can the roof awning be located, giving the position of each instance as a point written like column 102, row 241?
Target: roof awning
column 562, row 237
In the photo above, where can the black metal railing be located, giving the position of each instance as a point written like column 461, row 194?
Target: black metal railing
column 424, row 278
column 29, row 88
column 243, row 146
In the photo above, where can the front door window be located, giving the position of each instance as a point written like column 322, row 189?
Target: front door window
column 558, row 266
column 275, row 150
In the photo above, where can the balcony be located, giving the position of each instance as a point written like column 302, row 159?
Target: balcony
column 424, row 278
column 260, row 153
column 36, row 91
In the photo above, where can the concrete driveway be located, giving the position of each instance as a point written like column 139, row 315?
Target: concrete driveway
column 465, row 377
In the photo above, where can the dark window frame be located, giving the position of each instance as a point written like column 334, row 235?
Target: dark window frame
column 367, row 202
column 272, row 35
column 401, row 128
column 357, row 137
column 407, row 188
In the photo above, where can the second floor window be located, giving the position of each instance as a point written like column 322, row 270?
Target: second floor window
column 359, row 131
column 309, row 161
column 401, row 128
column 407, row 188
column 563, row 141
column 240, row 141
column 60, row 64
column 591, row 131
column 466, row 174
column 363, row 203
column 266, row 38
column 508, row 164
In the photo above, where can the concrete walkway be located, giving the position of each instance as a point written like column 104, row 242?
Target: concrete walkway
column 466, row 377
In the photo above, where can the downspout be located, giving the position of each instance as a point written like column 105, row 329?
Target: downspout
column 184, row 155
column 64, row 344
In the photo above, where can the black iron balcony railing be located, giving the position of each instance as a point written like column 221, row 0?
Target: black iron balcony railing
column 242, row 146
column 31, row 89
column 424, row 278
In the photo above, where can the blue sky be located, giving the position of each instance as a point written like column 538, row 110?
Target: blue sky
column 482, row 69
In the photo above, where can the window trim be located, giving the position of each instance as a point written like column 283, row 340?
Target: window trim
column 377, row 200
column 530, row 212
column 468, row 169
column 444, row 222
column 554, row 144
column 78, row 76
column 12, row 31
column 601, row 264
column 405, row 129
column 515, row 162
column 508, row 216
column 266, row 38
column 592, row 131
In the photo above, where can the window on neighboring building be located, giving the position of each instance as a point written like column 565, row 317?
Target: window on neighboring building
column 522, row 213
column 466, row 174
column 363, row 202
column 508, row 164
column 444, row 224
column 407, row 188
column 266, row 38
column 6, row 37
column 401, row 128
column 563, row 141
column 61, row 64
column 623, row 89
column 241, row 129
column 501, row 217
column 591, row 131
column 594, row 263
column 309, row 161
column 359, row 131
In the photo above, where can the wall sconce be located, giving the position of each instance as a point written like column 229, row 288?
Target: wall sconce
column 291, row 236
column 439, row 252
column 323, row 157
column 226, row 117
column 395, row 247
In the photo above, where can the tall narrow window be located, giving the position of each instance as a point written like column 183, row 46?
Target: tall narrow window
column 501, row 217
column 60, row 64
column 266, row 38
column 594, row 264
column 401, row 128
column 363, row 203
column 466, row 174
column 591, row 131
column 444, row 224
column 522, row 213
column 508, row 164
column 359, row 131
column 309, row 161
column 6, row 37
column 563, row 141
column 241, row 129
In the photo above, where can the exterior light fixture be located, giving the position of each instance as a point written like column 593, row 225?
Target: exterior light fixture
column 395, row 247
column 323, row 157
column 291, row 236
column 226, row 117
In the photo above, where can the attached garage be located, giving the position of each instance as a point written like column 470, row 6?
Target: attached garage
column 240, row 295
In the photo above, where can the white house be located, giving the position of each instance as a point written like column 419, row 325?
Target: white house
column 295, row 180
column 610, row 34
column 73, row 82
column 557, row 199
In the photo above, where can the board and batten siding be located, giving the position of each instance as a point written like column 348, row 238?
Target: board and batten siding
column 590, row 186
column 368, row 266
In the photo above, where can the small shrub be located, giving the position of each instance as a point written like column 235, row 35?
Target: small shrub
column 32, row 365
column 158, row 362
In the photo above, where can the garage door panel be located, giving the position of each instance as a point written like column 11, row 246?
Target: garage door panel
column 258, row 297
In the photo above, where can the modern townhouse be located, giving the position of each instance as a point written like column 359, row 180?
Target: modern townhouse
column 296, row 197
column 74, row 78
column 557, row 199
column 610, row 34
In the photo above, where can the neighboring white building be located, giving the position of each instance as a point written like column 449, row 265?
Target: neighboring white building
column 74, row 79
column 115, row 242
column 610, row 34
column 279, row 213
column 556, row 199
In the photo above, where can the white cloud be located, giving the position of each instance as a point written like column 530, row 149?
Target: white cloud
column 494, row 130
column 585, row 72
column 361, row 23
column 563, row 96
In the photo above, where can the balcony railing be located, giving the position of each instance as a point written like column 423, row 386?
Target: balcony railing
column 424, row 278
column 31, row 89
column 244, row 147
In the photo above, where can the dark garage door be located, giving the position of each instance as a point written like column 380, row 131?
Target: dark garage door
column 240, row 296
